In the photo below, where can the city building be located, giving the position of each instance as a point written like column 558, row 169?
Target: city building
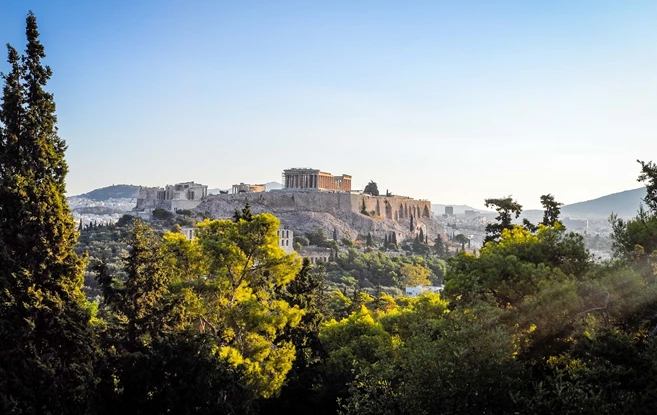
column 449, row 210
column 314, row 179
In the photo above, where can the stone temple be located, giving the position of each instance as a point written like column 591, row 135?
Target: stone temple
column 309, row 179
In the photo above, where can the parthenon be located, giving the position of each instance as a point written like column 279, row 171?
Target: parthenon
column 305, row 178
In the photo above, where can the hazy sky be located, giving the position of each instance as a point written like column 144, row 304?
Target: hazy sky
column 448, row 101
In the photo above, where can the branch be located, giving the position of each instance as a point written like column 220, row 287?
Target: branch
column 204, row 321
column 595, row 308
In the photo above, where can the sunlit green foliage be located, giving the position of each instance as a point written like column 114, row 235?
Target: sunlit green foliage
column 376, row 268
column 227, row 278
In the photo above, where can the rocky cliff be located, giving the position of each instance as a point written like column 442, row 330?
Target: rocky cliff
column 307, row 211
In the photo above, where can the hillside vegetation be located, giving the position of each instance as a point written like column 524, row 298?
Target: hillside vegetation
column 229, row 323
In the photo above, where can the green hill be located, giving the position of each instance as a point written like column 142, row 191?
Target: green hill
column 113, row 192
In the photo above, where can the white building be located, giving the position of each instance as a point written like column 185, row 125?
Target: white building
column 286, row 240
column 420, row 289
column 188, row 232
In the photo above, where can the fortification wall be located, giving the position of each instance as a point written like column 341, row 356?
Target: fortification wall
column 147, row 195
column 395, row 208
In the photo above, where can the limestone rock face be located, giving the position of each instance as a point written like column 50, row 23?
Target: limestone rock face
column 308, row 211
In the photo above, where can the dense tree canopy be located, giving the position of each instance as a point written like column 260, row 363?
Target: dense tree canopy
column 47, row 344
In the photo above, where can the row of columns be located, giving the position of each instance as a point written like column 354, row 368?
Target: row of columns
column 310, row 181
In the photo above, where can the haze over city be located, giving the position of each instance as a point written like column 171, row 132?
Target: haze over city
column 442, row 101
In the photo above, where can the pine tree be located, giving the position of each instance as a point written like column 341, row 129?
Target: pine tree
column 47, row 343
column 138, row 316
column 307, row 292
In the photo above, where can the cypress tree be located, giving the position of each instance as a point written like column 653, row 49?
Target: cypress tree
column 369, row 240
column 421, row 235
column 412, row 224
column 47, row 342
column 245, row 214
column 385, row 240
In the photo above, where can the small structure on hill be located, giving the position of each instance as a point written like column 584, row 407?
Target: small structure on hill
column 420, row 289
column 316, row 254
column 286, row 240
column 248, row 188
column 314, row 179
column 188, row 232
column 187, row 195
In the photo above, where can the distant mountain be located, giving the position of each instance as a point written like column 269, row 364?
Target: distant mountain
column 458, row 209
column 624, row 204
column 112, row 192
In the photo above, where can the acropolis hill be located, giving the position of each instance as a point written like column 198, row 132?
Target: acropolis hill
column 312, row 199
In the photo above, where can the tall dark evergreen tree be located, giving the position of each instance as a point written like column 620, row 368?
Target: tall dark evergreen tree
column 649, row 177
column 412, row 227
column 47, row 342
column 245, row 214
column 552, row 210
column 439, row 246
column 137, row 312
column 307, row 292
column 507, row 209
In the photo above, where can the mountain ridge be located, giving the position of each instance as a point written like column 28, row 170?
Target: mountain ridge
column 624, row 204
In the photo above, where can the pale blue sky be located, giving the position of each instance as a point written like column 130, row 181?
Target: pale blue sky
column 448, row 101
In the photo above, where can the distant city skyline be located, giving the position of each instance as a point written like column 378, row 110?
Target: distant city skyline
column 453, row 102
